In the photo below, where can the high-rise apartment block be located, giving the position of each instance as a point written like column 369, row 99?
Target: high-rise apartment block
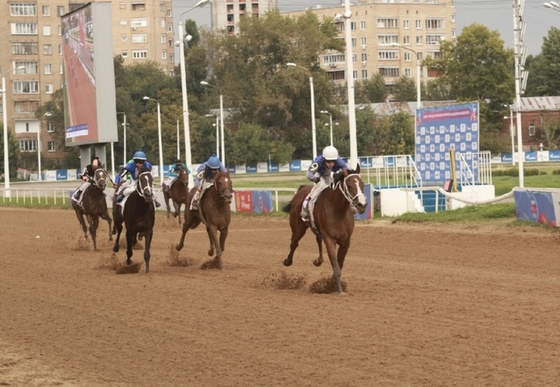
column 31, row 57
column 227, row 13
column 388, row 37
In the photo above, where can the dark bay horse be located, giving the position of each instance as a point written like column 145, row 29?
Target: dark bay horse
column 178, row 193
column 214, row 212
column 94, row 206
column 138, row 215
column 333, row 216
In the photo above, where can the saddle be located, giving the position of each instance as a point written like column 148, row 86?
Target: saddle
column 167, row 187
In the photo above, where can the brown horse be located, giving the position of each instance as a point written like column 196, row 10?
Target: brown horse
column 138, row 215
column 333, row 216
column 178, row 193
column 214, row 212
column 94, row 206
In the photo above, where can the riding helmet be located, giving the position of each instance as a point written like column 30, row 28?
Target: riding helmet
column 330, row 153
column 214, row 162
column 178, row 162
column 140, row 155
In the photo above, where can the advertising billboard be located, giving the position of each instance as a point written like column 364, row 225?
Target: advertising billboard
column 89, row 81
column 439, row 129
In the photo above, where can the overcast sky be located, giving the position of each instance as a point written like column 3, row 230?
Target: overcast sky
column 495, row 14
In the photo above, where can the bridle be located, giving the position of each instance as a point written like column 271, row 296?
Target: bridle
column 144, row 185
column 227, row 194
column 346, row 192
column 100, row 177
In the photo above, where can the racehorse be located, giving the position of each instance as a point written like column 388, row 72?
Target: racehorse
column 214, row 212
column 178, row 193
column 94, row 206
column 138, row 216
column 333, row 216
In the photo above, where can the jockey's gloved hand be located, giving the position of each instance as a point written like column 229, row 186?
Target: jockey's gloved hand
column 316, row 179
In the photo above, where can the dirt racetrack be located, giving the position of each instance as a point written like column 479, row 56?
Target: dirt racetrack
column 426, row 306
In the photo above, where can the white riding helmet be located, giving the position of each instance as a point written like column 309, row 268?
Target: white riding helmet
column 330, row 153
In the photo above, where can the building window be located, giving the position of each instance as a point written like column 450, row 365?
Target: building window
column 364, row 74
column 59, row 30
column 60, row 49
column 170, row 28
column 363, row 40
column 138, row 22
column 26, row 106
column 23, row 9
column 26, row 87
column 162, row 23
column 163, row 38
column 434, row 54
column 387, row 23
column 406, row 40
column 389, row 71
column 49, row 88
column 60, row 69
column 24, row 48
column 47, row 49
column 406, row 24
column 418, row 24
column 353, row 42
column 363, row 25
column 123, row 22
column 124, row 54
column 139, row 54
column 124, row 38
column 139, row 38
column 163, row 54
column 364, row 57
column 388, row 54
column 352, row 26
column 46, row 30
column 385, row 40
column 46, row 9
column 434, row 39
column 434, row 24
column 419, row 40
column 355, row 74
column 407, row 56
column 30, row 67
column 24, row 28
column 122, row 5
column 51, row 147
column 333, row 59
column 138, row 6
column 407, row 73
column 50, row 127
column 60, row 10
column 28, row 145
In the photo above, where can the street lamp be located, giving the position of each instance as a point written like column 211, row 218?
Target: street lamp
column 418, row 73
column 159, row 137
column 5, row 129
column 330, row 124
column 39, row 175
column 181, row 42
column 511, row 132
column 178, row 146
column 124, row 137
column 204, row 83
column 217, row 134
column 313, row 130
column 552, row 5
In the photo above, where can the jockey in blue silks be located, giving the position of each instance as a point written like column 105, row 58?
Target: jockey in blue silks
column 174, row 170
column 205, row 176
column 319, row 172
column 139, row 161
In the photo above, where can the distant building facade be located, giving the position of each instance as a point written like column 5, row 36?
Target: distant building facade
column 226, row 14
column 31, row 37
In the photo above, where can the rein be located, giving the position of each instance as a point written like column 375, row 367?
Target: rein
column 139, row 189
column 344, row 189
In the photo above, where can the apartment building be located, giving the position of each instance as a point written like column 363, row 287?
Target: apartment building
column 31, row 59
column 388, row 37
column 226, row 14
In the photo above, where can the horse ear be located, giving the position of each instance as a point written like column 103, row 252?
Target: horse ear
column 358, row 168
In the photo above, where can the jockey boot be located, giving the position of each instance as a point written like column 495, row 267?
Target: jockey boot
column 120, row 198
column 194, row 205
column 76, row 196
column 305, row 213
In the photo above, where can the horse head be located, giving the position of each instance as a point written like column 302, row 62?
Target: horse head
column 353, row 189
column 144, row 185
column 100, row 178
column 183, row 176
column 223, row 185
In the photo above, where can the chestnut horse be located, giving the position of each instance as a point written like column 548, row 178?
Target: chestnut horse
column 214, row 212
column 94, row 206
column 178, row 193
column 333, row 215
column 138, row 216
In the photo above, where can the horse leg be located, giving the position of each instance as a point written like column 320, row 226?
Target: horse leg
column 80, row 217
column 298, row 231
column 342, row 250
column 182, row 241
column 107, row 217
column 331, row 251
column 214, row 244
column 118, row 227
column 129, row 238
column 147, row 243
column 93, row 224
column 166, row 198
column 223, row 236
column 319, row 261
column 177, row 206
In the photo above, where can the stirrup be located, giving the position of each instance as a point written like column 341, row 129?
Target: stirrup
column 120, row 198
column 195, row 206
column 304, row 214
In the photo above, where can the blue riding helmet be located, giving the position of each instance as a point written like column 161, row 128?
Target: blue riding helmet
column 140, row 155
column 214, row 162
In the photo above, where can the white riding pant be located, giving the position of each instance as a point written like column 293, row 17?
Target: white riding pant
column 315, row 191
column 82, row 190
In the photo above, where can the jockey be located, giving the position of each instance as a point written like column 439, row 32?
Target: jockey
column 320, row 173
column 87, row 176
column 134, row 167
column 205, row 176
column 174, row 170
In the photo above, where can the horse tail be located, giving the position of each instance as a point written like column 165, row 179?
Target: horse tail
column 286, row 207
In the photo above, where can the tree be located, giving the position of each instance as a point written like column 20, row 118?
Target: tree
column 477, row 67
column 404, row 89
column 251, row 144
column 13, row 152
column 544, row 68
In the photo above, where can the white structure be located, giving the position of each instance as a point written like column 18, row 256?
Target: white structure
column 227, row 13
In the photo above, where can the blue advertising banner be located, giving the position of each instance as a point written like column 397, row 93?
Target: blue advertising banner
column 531, row 157
column 506, row 158
column 365, row 162
column 295, row 165
column 273, row 167
column 252, row 168
column 439, row 129
column 62, row 174
column 554, row 155
column 537, row 206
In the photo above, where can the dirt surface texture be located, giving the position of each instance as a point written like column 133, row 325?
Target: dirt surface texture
column 425, row 306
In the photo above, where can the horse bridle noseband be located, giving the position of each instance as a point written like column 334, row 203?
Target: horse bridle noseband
column 344, row 188
column 139, row 189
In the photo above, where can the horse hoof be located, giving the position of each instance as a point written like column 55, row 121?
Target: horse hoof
column 178, row 247
column 116, row 249
column 317, row 262
column 287, row 262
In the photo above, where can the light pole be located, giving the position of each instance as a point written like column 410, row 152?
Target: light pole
column 178, row 146
column 223, row 153
column 5, row 129
column 39, row 176
column 313, row 129
column 124, row 137
column 159, row 137
column 217, row 134
column 511, row 133
column 330, row 123
column 418, row 73
column 552, row 5
column 188, row 160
